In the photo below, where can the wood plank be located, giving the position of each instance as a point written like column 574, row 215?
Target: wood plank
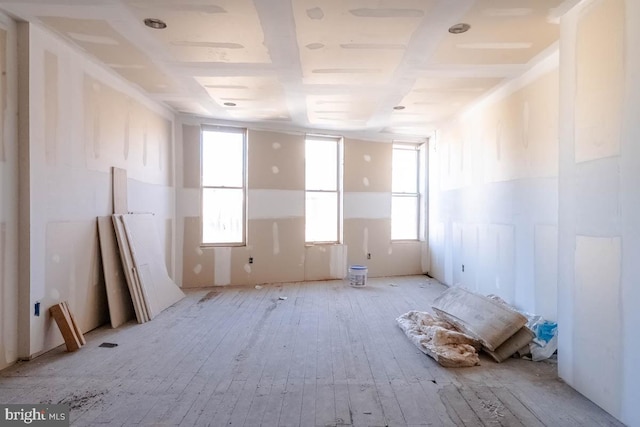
column 118, row 296
column 74, row 324
column 66, row 327
column 119, row 184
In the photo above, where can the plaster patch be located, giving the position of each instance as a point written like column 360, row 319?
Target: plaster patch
column 54, row 294
column 276, row 145
column 386, row 13
column 275, row 169
column 365, row 181
column 314, row 46
column 199, row 251
column 367, row 158
column 89, row 38
column 525, row 124
column 276, row 238
column 56, row 259
column 390, row 250
column 365, row 241
column 315, row 13
column 197, row 269
column 247, row 268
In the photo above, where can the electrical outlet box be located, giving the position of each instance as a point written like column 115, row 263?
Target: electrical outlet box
column 250, row 260
column 36, row 309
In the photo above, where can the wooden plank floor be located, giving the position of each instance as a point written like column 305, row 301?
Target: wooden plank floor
column 327, row 355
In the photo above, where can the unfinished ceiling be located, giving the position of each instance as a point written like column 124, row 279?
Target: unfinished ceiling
column 332, row 65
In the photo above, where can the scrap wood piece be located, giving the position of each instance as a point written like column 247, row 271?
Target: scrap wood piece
column 439, row 340
column 482, row 318
column 65, row 307
column 73, row 338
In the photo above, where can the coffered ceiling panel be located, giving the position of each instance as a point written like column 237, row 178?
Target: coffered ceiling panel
column 334, row 66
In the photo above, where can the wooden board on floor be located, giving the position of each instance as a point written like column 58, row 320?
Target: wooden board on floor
column 159, row 289
column 135, row 290
column 71, row 334
column 118, row 295
column 119, row 182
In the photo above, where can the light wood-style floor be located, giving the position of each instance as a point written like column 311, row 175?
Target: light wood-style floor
column 327, row 355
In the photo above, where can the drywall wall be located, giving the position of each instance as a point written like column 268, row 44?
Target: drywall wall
column 493, row 194
column 599, row 209
column 275, row 224
column 82, row 121
column 8, row 193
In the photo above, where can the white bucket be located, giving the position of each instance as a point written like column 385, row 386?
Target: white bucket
column 358, row 275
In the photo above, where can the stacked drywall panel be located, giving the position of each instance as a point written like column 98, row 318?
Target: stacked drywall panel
column 151, row 288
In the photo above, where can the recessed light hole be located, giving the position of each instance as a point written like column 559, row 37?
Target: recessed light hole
column 156, row 24
column 459, row 28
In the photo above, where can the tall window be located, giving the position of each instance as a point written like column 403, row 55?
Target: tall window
column 405, row 202
column 323, row 171
column 223, row 186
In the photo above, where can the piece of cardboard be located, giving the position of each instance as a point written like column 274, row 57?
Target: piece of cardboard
column 489, row 321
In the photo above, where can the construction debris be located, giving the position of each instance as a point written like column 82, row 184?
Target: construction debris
column 487, row 320
column 69, row 329
column 465, row 322
column 440, row 339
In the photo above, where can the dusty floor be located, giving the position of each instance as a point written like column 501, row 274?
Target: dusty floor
column 326, row 355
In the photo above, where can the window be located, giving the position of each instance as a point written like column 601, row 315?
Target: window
column 223, row 186
column 406, row 197
column 323, row 172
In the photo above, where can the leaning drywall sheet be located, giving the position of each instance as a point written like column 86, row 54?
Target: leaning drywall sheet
column 118, row 296
column 139, row 304
column 160, row 290
column 489, row 321
column 119, row 177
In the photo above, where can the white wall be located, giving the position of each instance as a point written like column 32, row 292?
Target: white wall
column 599, row 211
column 493, row 194
column 8, row 193
column 276, row 197
column 81, row 121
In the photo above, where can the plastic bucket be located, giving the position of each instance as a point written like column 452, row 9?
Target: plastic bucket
column 358, row 276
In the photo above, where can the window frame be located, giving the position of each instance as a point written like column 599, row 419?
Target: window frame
column 338, row 191
column 409, row 146
column 235, row 130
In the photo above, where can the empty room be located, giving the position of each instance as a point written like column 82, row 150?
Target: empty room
column 319, row 213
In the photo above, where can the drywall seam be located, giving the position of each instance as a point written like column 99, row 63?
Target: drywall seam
column 276, row 238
